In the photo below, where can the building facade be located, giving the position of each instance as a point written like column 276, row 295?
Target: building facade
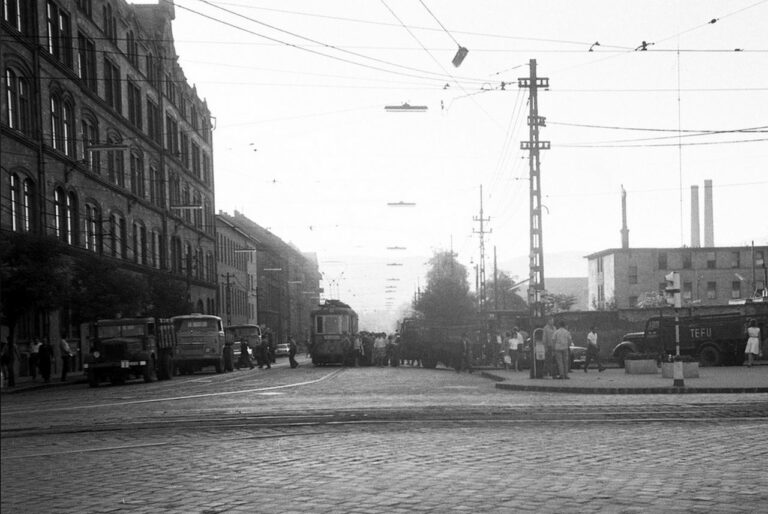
column 103, row 143
column 236, row 256
column 618, row 278
column 286, row 286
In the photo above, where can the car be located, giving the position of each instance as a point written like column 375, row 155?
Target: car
column 282, row 349
column 630, row 343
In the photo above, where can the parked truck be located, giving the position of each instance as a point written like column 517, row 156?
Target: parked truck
column 431, row 344
column 713, row 339
column 131, row 347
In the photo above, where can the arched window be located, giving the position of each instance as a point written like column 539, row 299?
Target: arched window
column 62, row 125
column 22, row 197
column 65, row 215
column 17, row 96
column 188, row 258
column 156, row 189
column 92, row 228
column 199, row 306
column 186, row 203
column 154, row 250
column 117, row 236
column 89, row 135
column 132, row 48
column 198, row 203
column 139, row 243
column 14, row 13
column 199, row 269
column 115, row 165
column 138, row 178
column 109, row 23
column 176, row 257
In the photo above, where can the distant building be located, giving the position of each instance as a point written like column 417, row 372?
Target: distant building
column 619, row 277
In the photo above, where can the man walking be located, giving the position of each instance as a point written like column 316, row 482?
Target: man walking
column 563, row 342
column 593, row 350
column 34, row 350
column 549, row 348
column 292, row 348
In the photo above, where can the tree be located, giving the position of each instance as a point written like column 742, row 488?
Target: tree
column 100, row 290
column 167, row 296
column 505, row 289
column 554, row 303
column 34, row 274
column 446, row 299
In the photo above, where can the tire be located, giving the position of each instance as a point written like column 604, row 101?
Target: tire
column 164, row 372
column 219, row 365
column 228, row 359
column 150, row 371
column 709, row 356
column 93, row 379
column 621, row 356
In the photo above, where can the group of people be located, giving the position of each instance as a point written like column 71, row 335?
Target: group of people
column 41, row 355
column 264, row 354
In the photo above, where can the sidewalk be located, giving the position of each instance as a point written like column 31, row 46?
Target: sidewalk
column 27, row 384
column 727, row 379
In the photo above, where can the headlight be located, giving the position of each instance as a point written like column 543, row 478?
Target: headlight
column 96, row 354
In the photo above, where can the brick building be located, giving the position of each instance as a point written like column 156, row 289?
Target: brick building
column 104, row 144
column 708, row 276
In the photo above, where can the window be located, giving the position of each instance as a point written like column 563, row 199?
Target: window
column 687, row 263
column 89, row 134
column 156, row 190
column 197, row 202
column 86, row 61
column 188, row 259
column 735, row 259
column 115, row 166
column 134, row 104
column 196, row 160
column 92, row 228
column 17, row 96
column 62, row 126
column 633, row 274
column 185, row 201
column 138, row 177
column 117, row 236
column 132, row 48
column 109, row 23
column 14, row 13
column 170, row 88
column 139, row 243
column 207, row 216
column 22, row 197
column 70, row 221
column 154, row 122
column 86, row 6
column 194, row 120
column 206, row 169
column 59, row 34
column 171, row 135
column 152, row 70
column 185, row 150
column 736, row 289
column 176, row 257
column 711, row 260
column 711, row 290
column 687, row 290
column 154, row 256
column 632, row 301
column 599, row 264
column 112, row 90
column 662, row 261
column 174, row 190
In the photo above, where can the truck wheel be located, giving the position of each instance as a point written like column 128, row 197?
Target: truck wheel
column 150, row 372
column 93, row 379
column 228, row 358
column 621, row 357
column 166, row 367
column 709, row 356
column 219, row 365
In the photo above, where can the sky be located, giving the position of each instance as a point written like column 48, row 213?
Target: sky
column 303, row 144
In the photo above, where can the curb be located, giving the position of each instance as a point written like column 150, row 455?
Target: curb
column 621, row 390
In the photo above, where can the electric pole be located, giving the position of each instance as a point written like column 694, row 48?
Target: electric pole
column 482, row 232
column 533, row 145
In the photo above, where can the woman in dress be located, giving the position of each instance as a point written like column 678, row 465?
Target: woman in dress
column 753, row 343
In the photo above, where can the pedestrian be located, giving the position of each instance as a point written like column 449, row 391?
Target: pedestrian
column 512, row 350
column 9, row 355
column 562, row 342
column 358, row 349
column 549, row 348
column 465, row 361
column 593, row 350
column 753, row 342
column 34, row 350
column 66, row 355
column 245, row 357
column 44, row 357
column 292, row 349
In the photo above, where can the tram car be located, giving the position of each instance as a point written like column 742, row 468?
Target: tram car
column 334, row 327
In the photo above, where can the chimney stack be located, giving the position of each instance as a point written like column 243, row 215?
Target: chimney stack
column 709, row 225
column 695, row 229
column 624, row 229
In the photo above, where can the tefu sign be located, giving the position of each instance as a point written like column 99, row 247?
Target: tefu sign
column 701, row 333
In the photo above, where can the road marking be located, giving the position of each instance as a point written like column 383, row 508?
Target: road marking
column 176, row 398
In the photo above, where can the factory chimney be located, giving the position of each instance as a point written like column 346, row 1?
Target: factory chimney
column 695, row 229
column 709, row 225
column 624, row 229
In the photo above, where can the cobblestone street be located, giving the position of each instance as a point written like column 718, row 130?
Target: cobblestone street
column 374, row 440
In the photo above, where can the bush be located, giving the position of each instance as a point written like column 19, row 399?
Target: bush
column 641, row 357
column 682, row 358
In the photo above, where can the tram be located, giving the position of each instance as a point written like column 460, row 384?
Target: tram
column 334, row 327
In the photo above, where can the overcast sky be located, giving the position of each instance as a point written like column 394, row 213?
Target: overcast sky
column 303, row 144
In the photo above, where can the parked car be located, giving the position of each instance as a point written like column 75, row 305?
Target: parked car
column 282, row 350
column 629, row 343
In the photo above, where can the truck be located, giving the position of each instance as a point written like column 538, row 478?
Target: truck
column 712, row 339
column 123, row 348
column 431, row 344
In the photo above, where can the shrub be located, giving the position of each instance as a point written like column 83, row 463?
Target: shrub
column 641, row 357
